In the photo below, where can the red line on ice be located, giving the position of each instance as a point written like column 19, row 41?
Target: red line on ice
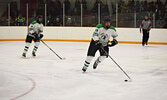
column 27, row 92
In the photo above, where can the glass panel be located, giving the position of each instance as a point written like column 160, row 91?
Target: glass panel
column 18, row 15
column 139, row 17
column 160, row 19
column 165, row 16
column 130, row 12
column 108, row 10
column 112, row 12
column 34, row 10
column 54, row 10
column 68, row 13
column 32, row 13
column 150, row 15
column 126, row 14
column 73, row 15
column 154, row 10
column 90, row 16
column 104, row 12
column 38, row 11
column 76, row 13
column 3, row 14
column 160, row 10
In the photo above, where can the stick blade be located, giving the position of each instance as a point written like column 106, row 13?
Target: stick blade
column 63, row 58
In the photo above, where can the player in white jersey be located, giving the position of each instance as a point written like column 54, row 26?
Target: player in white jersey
column 100, row 39
column 34, row 33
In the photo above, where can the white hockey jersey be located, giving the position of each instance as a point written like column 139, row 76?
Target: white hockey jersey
column 35, row 28
column 104, row 35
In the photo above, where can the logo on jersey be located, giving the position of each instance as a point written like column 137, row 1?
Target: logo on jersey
column 103, row 36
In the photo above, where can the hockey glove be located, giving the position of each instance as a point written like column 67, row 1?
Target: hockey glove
column 113, row 43
column 38, row 36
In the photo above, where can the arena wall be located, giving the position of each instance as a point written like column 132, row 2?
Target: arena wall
column 82, row 34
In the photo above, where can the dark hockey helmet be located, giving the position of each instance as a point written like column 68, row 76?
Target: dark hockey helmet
column 107, row 20
column 107, row 23
column 39, row 18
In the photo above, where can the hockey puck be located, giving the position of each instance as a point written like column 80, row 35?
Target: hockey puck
column 125, row 80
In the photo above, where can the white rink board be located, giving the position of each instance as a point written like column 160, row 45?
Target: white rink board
column 82, row 33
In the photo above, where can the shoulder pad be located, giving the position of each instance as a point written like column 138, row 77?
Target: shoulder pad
column 34, row 22
column 113, row 28
column 99, row 25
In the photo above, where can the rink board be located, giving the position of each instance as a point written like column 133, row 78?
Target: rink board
column 83, row 34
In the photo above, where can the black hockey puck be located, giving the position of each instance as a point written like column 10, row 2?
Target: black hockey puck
column 125, row 80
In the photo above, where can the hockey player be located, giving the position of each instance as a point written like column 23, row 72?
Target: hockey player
column 34, row 33
column 100, row 40
column 146, row 27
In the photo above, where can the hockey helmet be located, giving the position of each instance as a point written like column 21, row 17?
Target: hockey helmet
column 107, row 20
column 107, row 26
column 38, row 17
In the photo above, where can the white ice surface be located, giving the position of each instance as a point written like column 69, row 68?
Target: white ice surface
column 56, row 79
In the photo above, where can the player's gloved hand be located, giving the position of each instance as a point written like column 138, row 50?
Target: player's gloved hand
column 113, row 43
column 38, row 36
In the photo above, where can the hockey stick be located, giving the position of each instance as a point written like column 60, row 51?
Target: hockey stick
column 52, row 50
column 116, row 64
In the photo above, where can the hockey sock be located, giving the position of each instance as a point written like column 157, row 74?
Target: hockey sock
column 88, row 60
column 36, row 46
column 100, row 59
column 26, row 47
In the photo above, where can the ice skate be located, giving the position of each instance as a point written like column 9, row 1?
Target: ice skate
column 146, row 43
column 84, row 69
column 24, row 55
column 95, row 65
column 33, row 53
column 143, row 44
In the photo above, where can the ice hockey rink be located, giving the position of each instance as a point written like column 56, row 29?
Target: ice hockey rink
column 46, row 77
